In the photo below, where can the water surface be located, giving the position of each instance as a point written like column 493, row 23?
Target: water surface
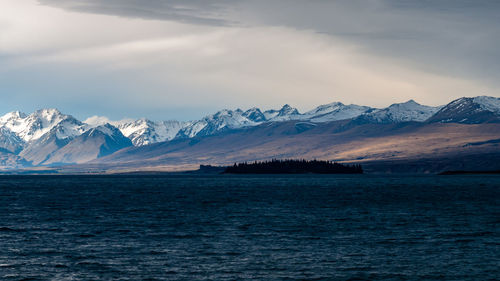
column 250, row 227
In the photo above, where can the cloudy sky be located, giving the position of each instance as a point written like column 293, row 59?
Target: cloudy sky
column 177, row 59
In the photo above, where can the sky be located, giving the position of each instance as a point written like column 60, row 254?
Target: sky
column 177, row 59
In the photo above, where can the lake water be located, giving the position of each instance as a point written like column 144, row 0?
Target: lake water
column 250, row 227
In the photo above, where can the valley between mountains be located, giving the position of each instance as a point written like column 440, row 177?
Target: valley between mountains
column 406, row 137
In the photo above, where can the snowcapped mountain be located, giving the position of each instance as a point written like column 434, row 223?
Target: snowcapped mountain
column 491, row 104
column 220, row 121
column 41, row 136
column 235, row 119
column 36, row 136
column 14, row 120
column 34, row 126
column 141, row 131
column 18, row 128
column 324, row 113
column 49, row 137
column 398, row 112
column 287, row 110
column 254, row 114
column 144, row 131
column 475, row 110
column 94, row 143
column 284, row 114
column 334, row 111
column 39, row 150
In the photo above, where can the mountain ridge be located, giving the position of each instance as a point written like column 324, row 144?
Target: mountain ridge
column 40, row 138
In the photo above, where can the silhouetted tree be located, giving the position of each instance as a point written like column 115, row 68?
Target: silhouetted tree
column 291, row 166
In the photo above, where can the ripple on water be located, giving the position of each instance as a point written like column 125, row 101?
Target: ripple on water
column 247, row 228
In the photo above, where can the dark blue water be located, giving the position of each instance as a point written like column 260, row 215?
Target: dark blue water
column 250, row 227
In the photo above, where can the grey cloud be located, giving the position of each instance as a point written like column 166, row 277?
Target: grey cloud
column 454, row 37
column 194, row 11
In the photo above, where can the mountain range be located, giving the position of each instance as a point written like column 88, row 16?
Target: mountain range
column 49, row 138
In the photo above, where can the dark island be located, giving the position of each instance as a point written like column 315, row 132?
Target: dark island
column 290, row 166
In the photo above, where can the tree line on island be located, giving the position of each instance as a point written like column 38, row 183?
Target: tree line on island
column 291, row 166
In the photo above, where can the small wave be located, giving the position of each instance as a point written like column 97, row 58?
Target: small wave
column 86, row 235
column 9, row 229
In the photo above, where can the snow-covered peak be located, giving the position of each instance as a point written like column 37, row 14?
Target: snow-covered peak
column 49, row 115
column 228, row 118
column 254, row 114
column 69, row 128
column 129, row 127
column 144, row 131
column 491, row 104
column 401, row 112
column 488, row 103
column 106, row 129
column 284, row 114
column 287, row 110
column 474, row 110
column 221, row 120
column 14, row 115
column 325, row 108
column 13, row 121
column 460, row 106
column 141, row 131
column 34, row 126
column 226, row 114
column 335, row 111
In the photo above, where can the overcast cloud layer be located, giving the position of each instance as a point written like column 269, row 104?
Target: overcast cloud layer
column 183, row 59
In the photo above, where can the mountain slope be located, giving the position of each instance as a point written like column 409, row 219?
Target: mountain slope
column 469, row 111
column 9, row 160
column 363, row 143
column 40, row 150
column 96, row 142
column 10, row 141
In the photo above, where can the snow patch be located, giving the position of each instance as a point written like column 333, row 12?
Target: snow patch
column 488, row 103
